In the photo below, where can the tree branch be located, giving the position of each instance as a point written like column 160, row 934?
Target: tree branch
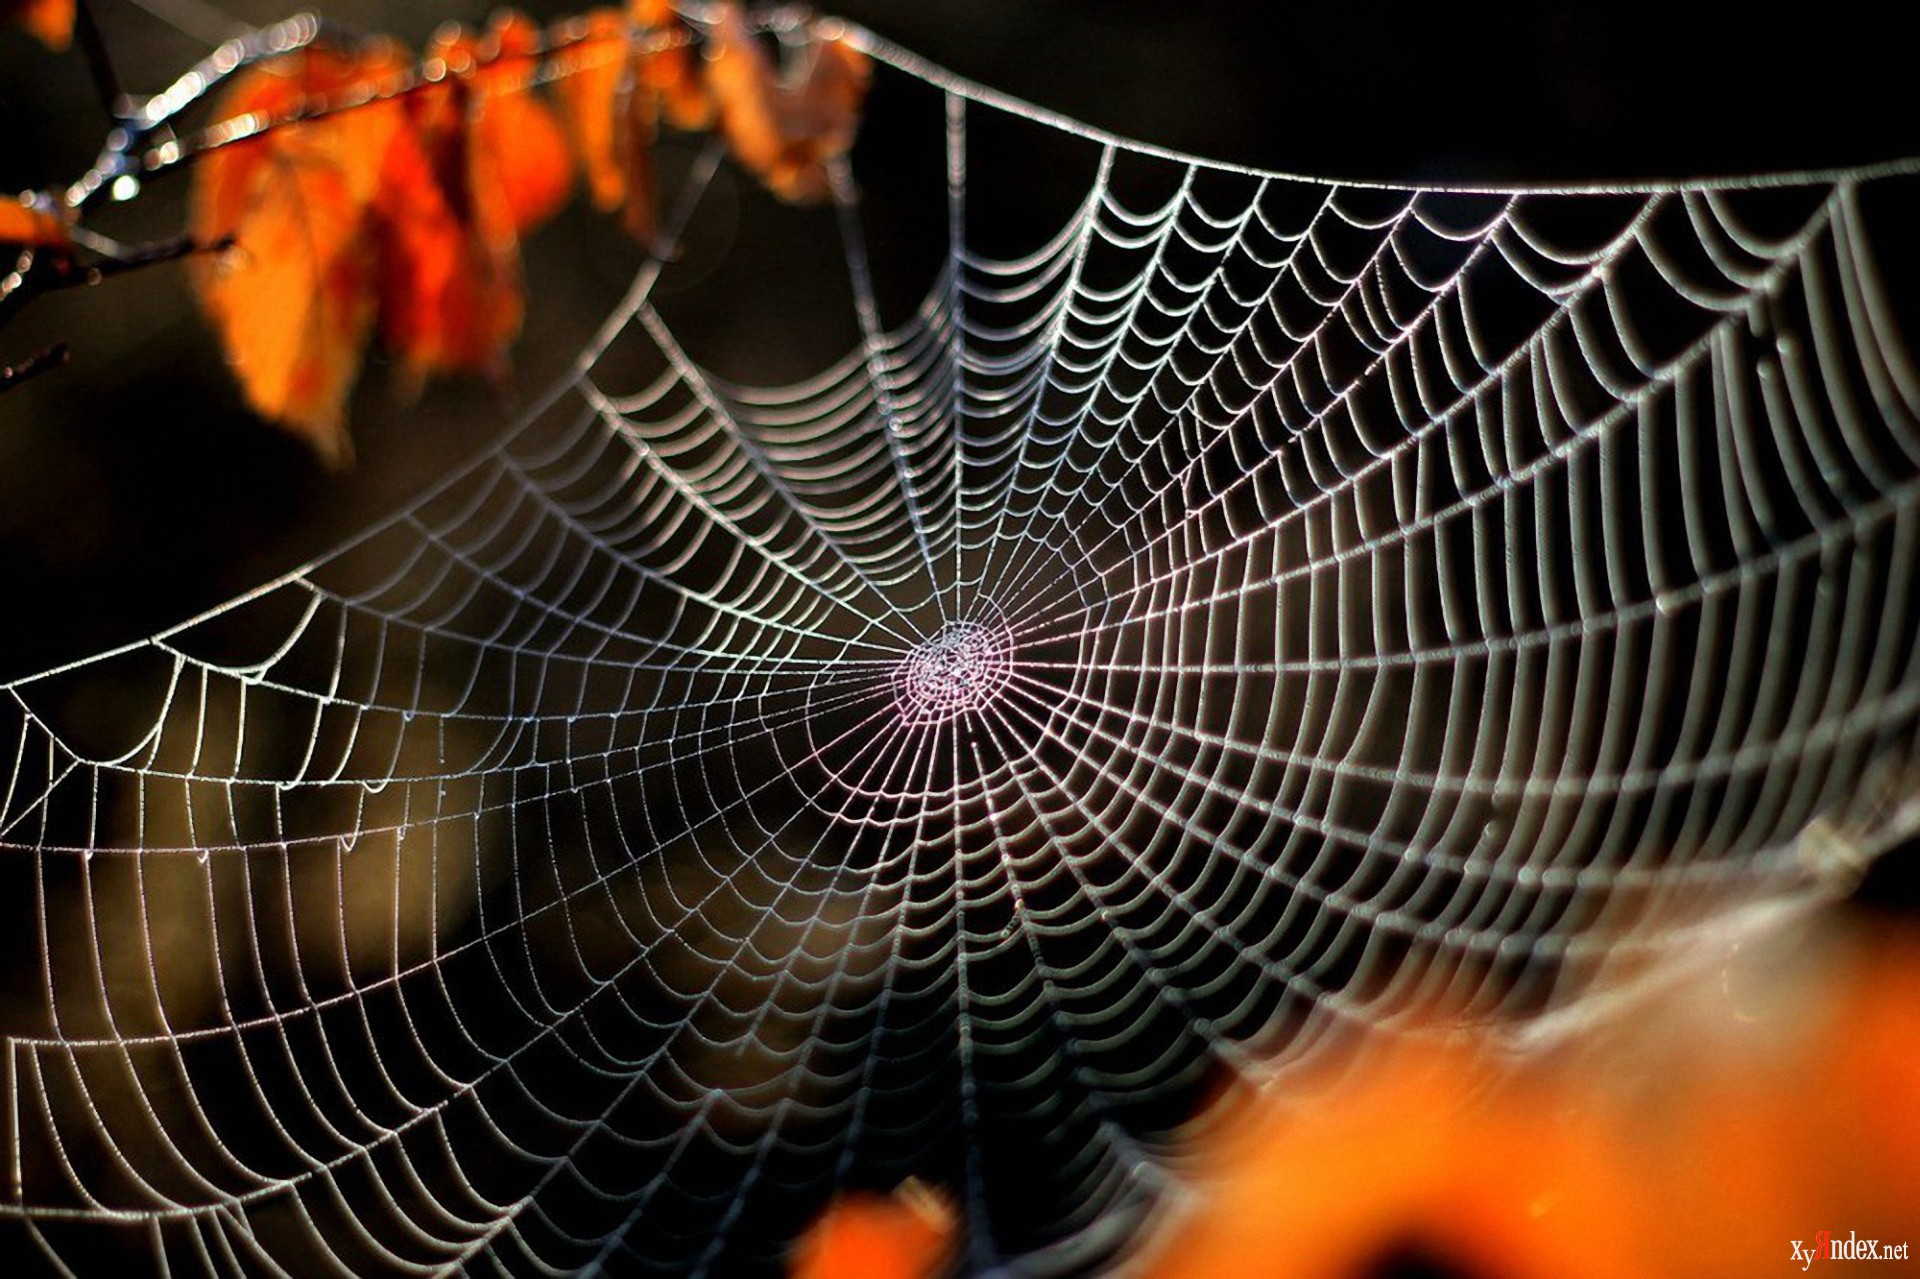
column 12, row 375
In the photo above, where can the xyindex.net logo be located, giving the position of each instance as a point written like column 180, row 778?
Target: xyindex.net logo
column 1826, row 1247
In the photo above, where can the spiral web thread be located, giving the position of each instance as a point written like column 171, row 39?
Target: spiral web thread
column 1259, row 605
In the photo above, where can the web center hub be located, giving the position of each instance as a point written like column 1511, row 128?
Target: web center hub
column 959, row 669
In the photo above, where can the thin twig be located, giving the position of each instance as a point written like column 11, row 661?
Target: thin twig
column 136, row 126
column 12, row 375
column 126, row 153
column 17, row 275
column 134, row 257
column 32, row 273
column 43, row 273
column 106, row 80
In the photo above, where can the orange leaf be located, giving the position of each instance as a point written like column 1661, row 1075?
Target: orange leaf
column 592, row 75
column 50, row 20
column 484, row 161
column 669, row 65
column 21, row 223
column 905, row 1235
column 615, row 87
column 785, row 131
column 636, row 128
column 434, row 274
column 293, row 299
column 1408, row 1156
column 516, row 135
column 748, row 94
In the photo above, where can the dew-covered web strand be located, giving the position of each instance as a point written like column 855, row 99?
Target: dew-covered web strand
column 1701, row 349
column 560, row 1165
column 912, row 769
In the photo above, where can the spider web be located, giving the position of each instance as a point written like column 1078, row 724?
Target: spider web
column 1248, row 608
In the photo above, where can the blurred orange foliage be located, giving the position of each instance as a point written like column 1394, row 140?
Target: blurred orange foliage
column 50, row 20
column 482, row 161
column 785, row 129
column 1701, row 1135
column 670, row 70
column 294, row 300
column 593, row 85
column 360, row 193
column 904, row 1235
column 615, row 85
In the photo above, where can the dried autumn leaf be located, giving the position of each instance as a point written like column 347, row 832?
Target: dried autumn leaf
column 50, row 20
column 22, row 223
column 433, row 274
column 518, row 142
column 669, row 65
column 785, row 132
column 905, row 1235
column 615, row 85
column 590, row 76
column 293, row 299
column 483, row 161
